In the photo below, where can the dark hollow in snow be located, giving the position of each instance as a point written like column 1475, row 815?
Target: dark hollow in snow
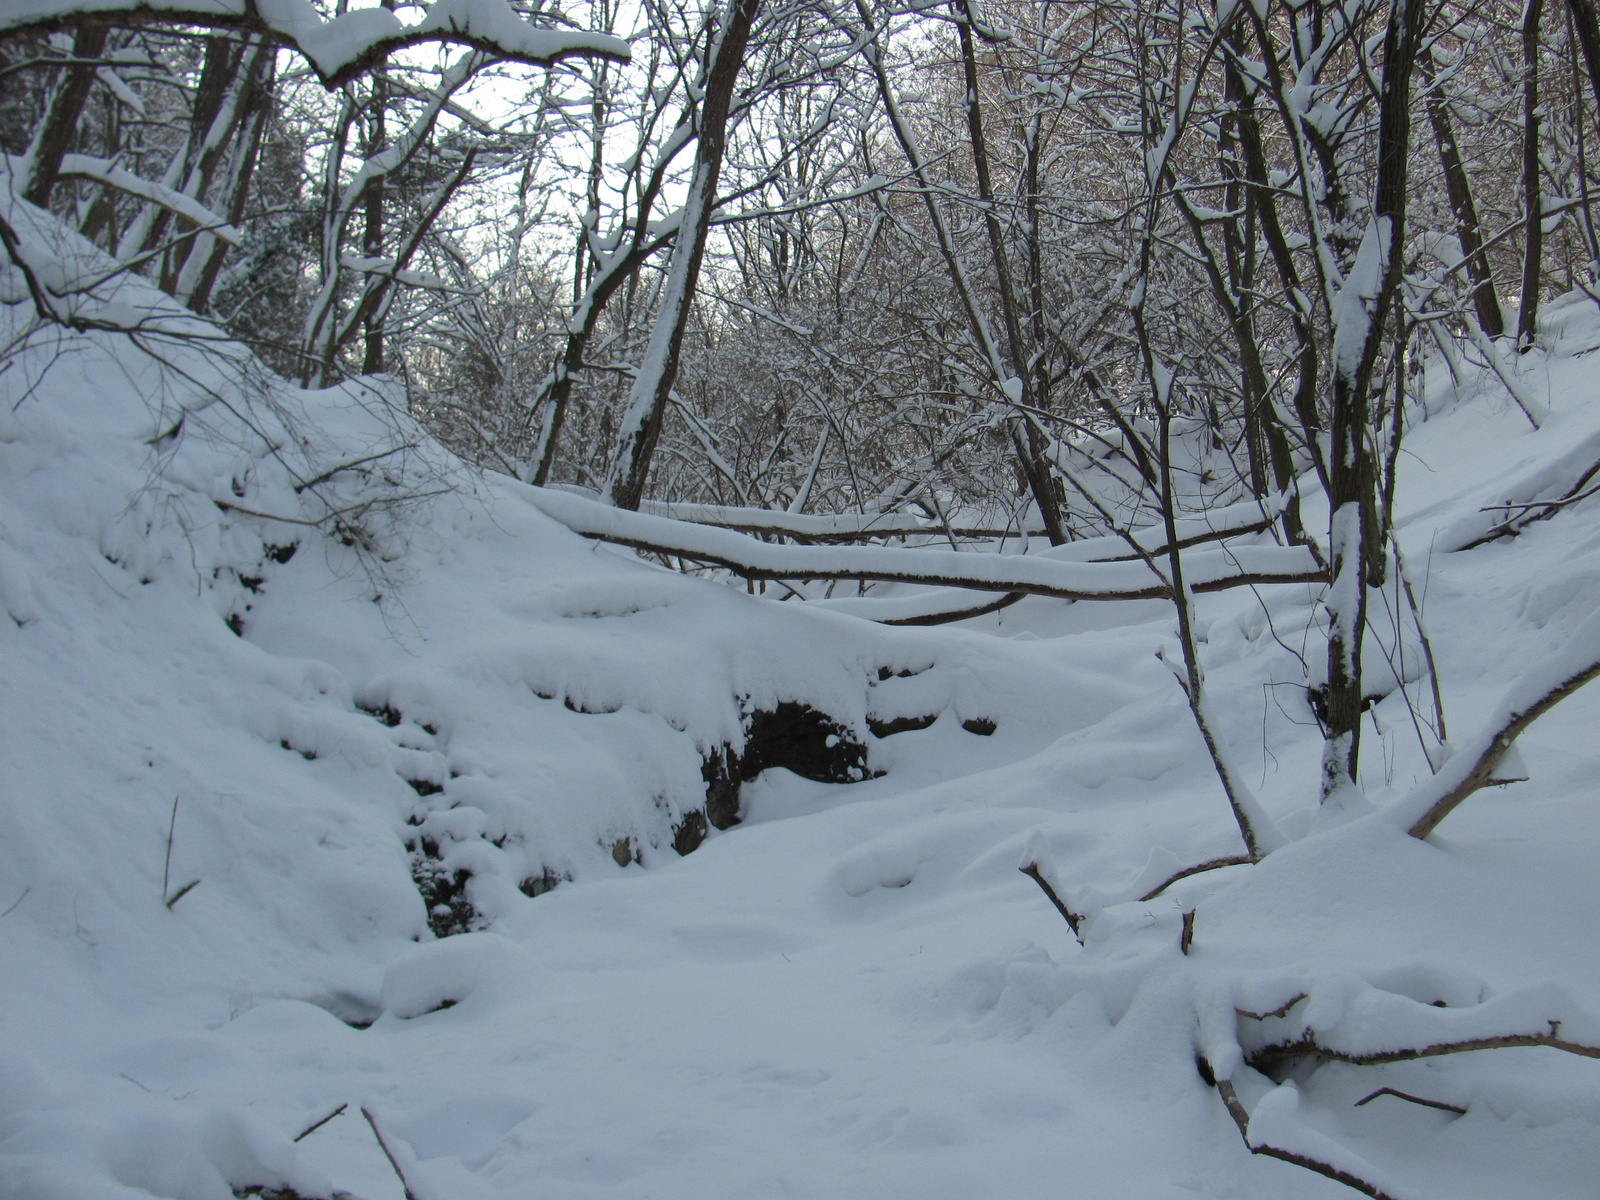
column 887, row 727
column 546, row 881
column 386, row 713
column 982, row 726
column 793, row 735
column 443, row 890
column 689, row 833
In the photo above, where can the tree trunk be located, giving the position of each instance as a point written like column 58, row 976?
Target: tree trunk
column 372, row 237
column 1041, row 480
column 1352, row 473
column 257, row 108
column 647, row 399
column 1484, row 300
column 1587, row 23
column 66, row 109
column 1532, row 203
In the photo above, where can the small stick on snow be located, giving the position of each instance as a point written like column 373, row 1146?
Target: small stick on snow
column 16, row 902
column 312, row 1128
column 166, row 870
column 1031, row 870
column 182, row 892
column 384, row 1146
column 1186, row 939
column 1399, row 1095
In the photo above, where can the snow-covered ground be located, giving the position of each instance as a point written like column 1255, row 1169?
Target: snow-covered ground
column 852, row 993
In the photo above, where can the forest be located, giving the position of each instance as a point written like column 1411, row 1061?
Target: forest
column 551, row 552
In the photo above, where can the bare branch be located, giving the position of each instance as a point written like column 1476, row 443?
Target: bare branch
column 1035, row 574
column 1280, row 1054
column 1399, row 1095
column 1241, row 1118
column 1211, row 864
column 1032, row 871
column 1469, row 771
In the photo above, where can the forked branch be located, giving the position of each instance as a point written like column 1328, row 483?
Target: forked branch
column 1241, row 1118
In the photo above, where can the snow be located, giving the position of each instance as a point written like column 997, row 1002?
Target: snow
column 853, row 993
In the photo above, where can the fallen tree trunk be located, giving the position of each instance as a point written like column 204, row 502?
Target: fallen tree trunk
column 1051, row 573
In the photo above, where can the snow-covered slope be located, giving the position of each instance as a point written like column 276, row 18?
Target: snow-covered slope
column 853, row 993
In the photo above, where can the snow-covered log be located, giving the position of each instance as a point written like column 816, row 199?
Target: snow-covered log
column 1249, row 517
column 1049, row 574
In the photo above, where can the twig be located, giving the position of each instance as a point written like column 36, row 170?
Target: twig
column 1514, row 525
column 1399, row 1095
column 16, row 902
column 312, row 1128
column 1280, row 1011
column 1427, row 645
column 182, row 892
column 1211, row 864
column 351, row 465
column 1031, row 870
column 166, row 870
column 384, row 1146
column 1186, row 938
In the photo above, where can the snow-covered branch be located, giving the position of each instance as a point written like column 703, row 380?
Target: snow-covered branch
column 103, row 171
column 347, row 46
column 1471, row 766
column 1053, row 573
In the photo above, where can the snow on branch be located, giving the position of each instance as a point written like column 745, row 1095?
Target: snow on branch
column 1471, row 767
column 341, row 49
column 101, row 170
column 1046, row 574
column 1373, row 1027
column 1249, row 517
column 1369, row 1026
column 927, row 608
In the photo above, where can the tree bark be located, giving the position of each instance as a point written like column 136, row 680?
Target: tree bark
column 1468, row 232
column 1352, row 473
column 647, row 400
column 1533, row 205
column 66, row 109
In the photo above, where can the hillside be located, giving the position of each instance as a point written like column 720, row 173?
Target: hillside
column 405, row 703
